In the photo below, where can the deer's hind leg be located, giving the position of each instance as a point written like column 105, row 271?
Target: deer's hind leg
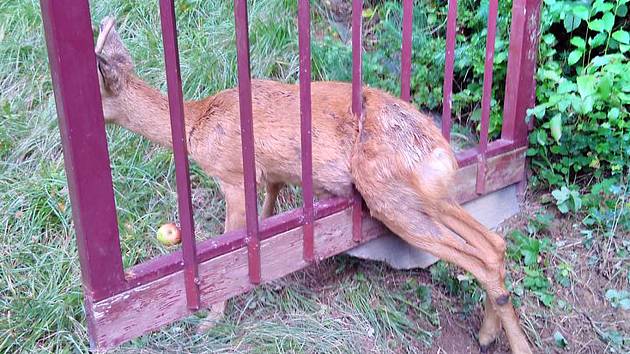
column 491, row 325
column 271, row 197
column 486, row 265
column 414, row 211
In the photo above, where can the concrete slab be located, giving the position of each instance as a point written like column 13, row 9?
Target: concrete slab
column 490, row 210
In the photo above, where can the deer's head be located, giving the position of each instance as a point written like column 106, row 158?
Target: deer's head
column 115, row 67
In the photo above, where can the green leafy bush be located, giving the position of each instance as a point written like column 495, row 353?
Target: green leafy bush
column 530, row 250
column 583, row 94
column 580, row 147
column 381, row 61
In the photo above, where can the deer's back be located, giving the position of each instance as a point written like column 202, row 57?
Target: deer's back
column 276, row 112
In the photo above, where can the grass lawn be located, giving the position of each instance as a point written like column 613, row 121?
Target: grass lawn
column 340, row 305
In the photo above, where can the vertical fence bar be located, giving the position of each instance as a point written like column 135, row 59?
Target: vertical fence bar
column 449, row 66
column 520, row 82
column 247, row 138
column 304, row 33
column 405, row 55
column 72, row 63
column 182, row 172
column 486, row 99
column 357, row 101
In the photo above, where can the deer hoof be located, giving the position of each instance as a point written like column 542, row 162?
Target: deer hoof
column 503, row 299
column 485, row 348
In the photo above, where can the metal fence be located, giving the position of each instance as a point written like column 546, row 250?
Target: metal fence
column 119, row 304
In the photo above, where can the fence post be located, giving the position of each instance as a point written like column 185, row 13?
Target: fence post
column 247, row 137
column 357, row 102
column 405, row 51
column 304, row 40
column 180, row 151
column 72, row 63
column 486, row 99
column 520, row 82
column 449, row 67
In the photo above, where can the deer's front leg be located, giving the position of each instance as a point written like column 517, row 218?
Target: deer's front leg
column 234, row 220
column 235, row 207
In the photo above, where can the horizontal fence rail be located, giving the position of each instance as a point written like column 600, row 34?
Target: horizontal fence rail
column 118, row 303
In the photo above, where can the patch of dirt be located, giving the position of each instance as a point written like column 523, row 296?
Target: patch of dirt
column 580, row 313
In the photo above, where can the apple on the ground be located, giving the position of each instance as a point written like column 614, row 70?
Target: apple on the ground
column 169, row 235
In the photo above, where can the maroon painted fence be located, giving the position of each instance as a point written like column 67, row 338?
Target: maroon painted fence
column 119, row 304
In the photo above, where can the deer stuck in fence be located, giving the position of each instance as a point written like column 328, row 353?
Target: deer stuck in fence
column 393, row 155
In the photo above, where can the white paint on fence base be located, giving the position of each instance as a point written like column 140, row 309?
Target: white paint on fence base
column 490, row 210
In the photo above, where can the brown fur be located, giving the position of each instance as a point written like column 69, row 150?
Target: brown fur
column 394, row 155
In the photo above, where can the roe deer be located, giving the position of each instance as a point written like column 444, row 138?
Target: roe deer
column 394, row 155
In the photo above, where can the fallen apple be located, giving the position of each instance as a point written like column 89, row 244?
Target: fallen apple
column 169, row 235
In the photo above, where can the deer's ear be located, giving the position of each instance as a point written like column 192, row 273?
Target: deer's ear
column 114, row 61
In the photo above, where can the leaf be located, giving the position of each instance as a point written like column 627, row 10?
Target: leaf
column 546, row 298
column 475, row 116
column 577, row 201
column 598, row 40
column 605, row 86
column 595, row 25
column 559, row 339
column 600, row 61
column 579, row 42
column 574, row 56
column 601, row 6
column 538, row 111
column 621, row 36
column 564, row 103
column 576, row 102
column 566, row 86
column 541, row 137
column 609, row 21
column 586, row 85
column 549, row 75
column 581, row 11
column 563, row 208
column 613, row 113
column 622, row 11
column 571, row 22
column 555, row 125
column 549, row 38
column 561, row 194
column 529, row 257
column 587, row 105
